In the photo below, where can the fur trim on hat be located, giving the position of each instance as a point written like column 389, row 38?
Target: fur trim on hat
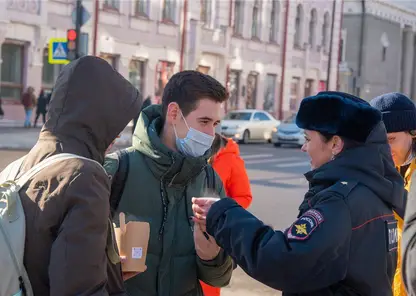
column 338, row 113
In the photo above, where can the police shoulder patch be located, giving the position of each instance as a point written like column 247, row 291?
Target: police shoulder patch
column 305, row 225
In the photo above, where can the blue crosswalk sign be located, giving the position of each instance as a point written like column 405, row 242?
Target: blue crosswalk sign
column 58, row 51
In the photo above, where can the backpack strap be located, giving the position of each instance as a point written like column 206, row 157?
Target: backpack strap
column 119, row 180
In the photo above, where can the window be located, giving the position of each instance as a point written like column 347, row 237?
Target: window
column 308, row 87
column 49, row 72
column 238, row 17
column 312, row 29
column 141, row 8
column 234, row 89
column 294, row 93
column 12, row 70
column 137, row 74
column 168, row 13
column 322, row 86
column 270, row 93
column 164, row 71
column 111, row 59
column 274, row 21
column 112, row 4
column 298, row 27
column 325, row 32
column 206, row 12
column 255, row 27
column 251, row 90
column 260, row 116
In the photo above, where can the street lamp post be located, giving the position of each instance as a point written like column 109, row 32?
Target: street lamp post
column 78, row 25
column 331, row 40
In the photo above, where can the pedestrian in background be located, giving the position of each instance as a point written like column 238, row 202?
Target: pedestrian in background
column 28, row 102
column 41, row 107
column 399, row 116
column 344, row 240
column 229, row 165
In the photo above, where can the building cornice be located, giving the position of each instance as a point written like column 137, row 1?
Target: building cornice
column 385, row 10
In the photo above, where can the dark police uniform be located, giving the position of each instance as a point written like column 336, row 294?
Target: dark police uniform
column 344, row 241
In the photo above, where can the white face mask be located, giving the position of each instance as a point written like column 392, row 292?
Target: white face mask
column 195, row 143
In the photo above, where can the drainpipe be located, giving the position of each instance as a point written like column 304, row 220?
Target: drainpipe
column 361, row 49
column 227, row 77
column 339, row 42
column 282, row 83
column 183, row 41
column 331, row 40
column 95, row 31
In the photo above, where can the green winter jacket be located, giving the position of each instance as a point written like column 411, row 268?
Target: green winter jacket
column 173, row 268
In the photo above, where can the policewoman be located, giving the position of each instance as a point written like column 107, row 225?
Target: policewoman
column 344, row 240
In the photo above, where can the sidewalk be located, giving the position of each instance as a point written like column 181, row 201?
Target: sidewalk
column 14, row 137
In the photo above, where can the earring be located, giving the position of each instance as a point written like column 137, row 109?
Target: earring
column 333, row 156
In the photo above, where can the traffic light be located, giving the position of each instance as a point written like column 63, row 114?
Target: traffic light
column 72, row 42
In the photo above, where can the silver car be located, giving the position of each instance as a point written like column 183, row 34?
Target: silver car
column 249, row 125
column 288, row 133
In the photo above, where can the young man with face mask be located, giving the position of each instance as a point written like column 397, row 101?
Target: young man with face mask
column 399, row 117
column 167, row 168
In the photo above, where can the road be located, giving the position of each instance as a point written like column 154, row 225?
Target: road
column 278, row 186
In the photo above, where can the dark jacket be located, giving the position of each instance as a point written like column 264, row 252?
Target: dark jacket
column 146, row 104
column 339, row 244
column 42, row 104
column 67, row 204
column 160, row 179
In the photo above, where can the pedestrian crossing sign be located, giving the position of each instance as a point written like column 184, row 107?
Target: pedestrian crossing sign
column 58, row 50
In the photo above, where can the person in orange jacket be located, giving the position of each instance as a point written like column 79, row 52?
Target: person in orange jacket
column 229, row 165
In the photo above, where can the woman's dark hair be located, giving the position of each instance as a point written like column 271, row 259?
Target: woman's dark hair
column 218, row 143
column 348, row 143
column 413, row 134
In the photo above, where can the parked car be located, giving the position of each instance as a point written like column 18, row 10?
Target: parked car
column 288, row 133
column 249, row 125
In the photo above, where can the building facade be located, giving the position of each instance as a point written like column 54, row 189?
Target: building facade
column 379, row 51
column 269, row 53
